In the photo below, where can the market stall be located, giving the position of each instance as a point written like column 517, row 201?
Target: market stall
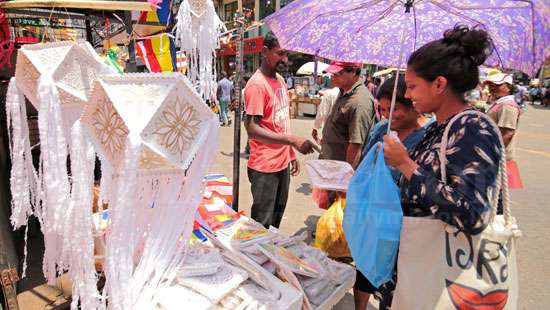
column 234, row 262
column 321, row 280
column 303, row 98
column 153, row 135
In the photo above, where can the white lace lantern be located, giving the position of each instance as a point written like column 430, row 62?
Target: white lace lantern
column 163, row 109
column 73, row 67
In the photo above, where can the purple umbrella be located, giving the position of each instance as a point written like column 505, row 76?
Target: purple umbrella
column 370, row 31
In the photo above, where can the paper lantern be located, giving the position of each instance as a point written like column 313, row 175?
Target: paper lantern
column 198, row 28
column 56, row 78
column 73, row 67
column 198, row 7
column 162, row 109
column 155, row 137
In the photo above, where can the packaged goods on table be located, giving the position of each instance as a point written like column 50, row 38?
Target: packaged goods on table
column 233, row 262
column 319, row 278
column 221, row 282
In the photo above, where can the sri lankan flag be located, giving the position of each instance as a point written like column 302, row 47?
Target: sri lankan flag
column 158, row 53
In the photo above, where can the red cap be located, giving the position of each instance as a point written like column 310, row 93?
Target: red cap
column 337, row 66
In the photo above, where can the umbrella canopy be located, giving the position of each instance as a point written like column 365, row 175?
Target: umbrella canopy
column 309, row 67
column 370, row 30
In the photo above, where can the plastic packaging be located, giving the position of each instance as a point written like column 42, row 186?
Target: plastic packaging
column 320, row 197
column 329, row 235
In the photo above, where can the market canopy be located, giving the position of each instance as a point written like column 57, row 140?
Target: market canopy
column 384, row 72
column 309, row 68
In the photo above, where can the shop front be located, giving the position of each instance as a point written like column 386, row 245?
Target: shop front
column 227, row 55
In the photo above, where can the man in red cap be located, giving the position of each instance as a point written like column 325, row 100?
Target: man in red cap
column 348, row 124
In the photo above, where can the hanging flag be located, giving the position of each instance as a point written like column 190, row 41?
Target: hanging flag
column 158, row 53
column 162, row 15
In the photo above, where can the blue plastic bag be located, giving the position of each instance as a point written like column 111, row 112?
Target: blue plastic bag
column 373, row 217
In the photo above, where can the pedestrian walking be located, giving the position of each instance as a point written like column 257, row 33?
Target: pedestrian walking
column 546, row 96
column 225, row 93
column 328, row 98
column 370, row 85
column 272, row 159
column 289, row 82
column 505, row 112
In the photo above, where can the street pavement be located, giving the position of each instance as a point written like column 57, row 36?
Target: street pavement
column 529, row 205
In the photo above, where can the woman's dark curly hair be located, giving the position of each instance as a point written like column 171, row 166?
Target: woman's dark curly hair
column 456, row 57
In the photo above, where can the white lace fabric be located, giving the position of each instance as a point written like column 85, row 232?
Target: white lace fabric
column 218, row 285
column 55, row 77
column 198, row 28
column 176, row 296
column 201, row 261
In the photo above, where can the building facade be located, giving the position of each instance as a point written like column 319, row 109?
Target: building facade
column 254, row 10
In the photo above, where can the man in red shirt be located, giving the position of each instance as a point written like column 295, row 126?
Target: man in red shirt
column 272, row 159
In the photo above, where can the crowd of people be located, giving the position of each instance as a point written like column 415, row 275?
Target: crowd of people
column 534, row 93
column 441, row 81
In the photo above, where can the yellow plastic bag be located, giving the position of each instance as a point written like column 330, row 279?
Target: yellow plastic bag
column 215, row 108
column 330, row 236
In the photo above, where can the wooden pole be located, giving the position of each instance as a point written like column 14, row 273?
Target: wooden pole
column 237, row 87
column 131, row 66
column 89, row 36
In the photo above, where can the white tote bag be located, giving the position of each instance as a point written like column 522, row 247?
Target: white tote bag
column 440, row 268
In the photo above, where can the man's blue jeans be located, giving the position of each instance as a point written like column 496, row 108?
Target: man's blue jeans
column 224, row 110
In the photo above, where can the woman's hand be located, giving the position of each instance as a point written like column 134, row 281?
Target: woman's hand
column 396, row 155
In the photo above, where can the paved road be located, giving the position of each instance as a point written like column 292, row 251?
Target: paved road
column 530, row 205
column 531, row 208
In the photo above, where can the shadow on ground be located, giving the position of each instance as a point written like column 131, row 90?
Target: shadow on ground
column 540, row 107
column 311, row 225
column 305, row 188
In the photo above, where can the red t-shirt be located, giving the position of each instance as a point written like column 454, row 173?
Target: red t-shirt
column 268, row 98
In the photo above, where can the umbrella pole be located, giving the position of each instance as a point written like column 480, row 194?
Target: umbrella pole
column 394, row 95
column 237, row 123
